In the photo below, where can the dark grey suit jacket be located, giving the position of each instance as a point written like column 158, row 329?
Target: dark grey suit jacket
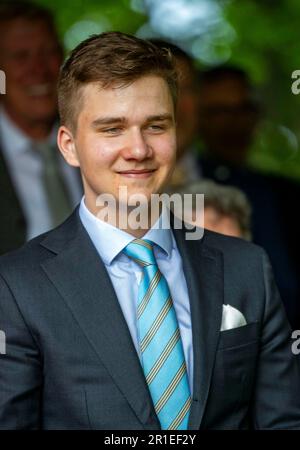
column 70, row 362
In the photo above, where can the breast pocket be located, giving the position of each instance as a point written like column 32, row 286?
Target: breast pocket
column 239, row 337
column 237, row 354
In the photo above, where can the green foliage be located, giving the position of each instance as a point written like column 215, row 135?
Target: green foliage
column 116, row 12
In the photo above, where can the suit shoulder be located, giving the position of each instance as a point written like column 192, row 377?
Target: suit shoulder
column 33, row 252
column 28, row 255
column 233, row 246
column 26, row 260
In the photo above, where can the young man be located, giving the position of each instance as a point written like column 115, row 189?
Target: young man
column 113, row 327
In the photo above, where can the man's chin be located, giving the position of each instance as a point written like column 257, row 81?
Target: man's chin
column 134, row 194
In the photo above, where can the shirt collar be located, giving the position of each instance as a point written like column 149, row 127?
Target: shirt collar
column 110, row 241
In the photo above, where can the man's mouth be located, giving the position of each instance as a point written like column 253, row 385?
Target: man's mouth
column 141, row 173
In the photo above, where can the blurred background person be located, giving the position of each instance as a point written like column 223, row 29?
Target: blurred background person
column 228, row 116
column 226, row 208
column 38, row 189
column 229, row 113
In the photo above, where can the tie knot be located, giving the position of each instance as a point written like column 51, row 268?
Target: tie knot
column 141, row 251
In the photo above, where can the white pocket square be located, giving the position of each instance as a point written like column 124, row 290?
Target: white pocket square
column 232, row 318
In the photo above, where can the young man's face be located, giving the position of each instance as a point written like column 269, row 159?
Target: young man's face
column 124, row 137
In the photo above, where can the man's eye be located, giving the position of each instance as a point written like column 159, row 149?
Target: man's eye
column 113, row 130
column 156, row 127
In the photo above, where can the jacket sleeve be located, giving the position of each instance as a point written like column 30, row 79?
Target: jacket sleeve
column 20, row 368
column 276, row 403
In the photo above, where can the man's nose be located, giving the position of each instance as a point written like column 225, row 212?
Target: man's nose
column 137, row 146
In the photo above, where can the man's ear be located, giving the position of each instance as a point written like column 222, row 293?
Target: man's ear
column 66, row 145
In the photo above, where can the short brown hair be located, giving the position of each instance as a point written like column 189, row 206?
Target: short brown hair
column 112, row 59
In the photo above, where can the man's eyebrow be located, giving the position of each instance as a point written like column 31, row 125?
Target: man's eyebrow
column 160, row 118
column 107, row 121
column 113, row 120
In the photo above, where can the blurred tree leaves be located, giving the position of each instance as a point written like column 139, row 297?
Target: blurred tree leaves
column 118, row 12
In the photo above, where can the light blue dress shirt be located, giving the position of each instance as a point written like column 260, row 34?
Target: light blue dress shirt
column 125, row 274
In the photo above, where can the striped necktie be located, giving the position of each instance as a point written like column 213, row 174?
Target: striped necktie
column 162, row 354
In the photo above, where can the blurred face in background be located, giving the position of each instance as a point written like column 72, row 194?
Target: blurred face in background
column 221, row 223
column 227, row 118
column 30, row 56
column 187, row 106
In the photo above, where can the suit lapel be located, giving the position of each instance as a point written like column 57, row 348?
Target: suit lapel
column 83, row 282
column 203, row 269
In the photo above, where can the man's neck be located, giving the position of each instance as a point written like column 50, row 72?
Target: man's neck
column 126, row 221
